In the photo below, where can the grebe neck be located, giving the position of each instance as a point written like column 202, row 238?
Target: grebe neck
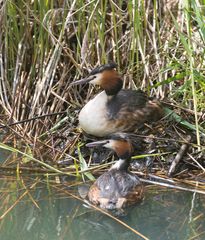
column 121, row 164
column 112, row 84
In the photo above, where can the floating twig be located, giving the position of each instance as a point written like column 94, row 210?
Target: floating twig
column 178, row 157
column 172, row 186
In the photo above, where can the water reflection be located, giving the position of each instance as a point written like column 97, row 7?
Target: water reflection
column 49, row 214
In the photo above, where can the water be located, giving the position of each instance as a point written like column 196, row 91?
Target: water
column 36, row 209
column 49, row 213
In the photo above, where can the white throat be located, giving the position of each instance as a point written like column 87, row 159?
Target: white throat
column 118, row 164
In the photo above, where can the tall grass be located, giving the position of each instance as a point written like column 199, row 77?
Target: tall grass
column 45, row 45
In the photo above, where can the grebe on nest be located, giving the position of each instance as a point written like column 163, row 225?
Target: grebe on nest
column 116, row 109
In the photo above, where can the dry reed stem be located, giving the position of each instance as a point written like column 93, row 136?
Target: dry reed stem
column 18, row 200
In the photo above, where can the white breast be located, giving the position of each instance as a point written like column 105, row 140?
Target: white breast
column 93, row 117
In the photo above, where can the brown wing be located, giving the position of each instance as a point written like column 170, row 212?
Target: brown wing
column 94, row 194
column 116, row 189
column 130, row 109
column 135, row 195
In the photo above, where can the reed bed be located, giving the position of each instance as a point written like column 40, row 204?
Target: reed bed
column 45, row 45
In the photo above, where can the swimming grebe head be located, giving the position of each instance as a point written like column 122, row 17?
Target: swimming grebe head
column 121, row 145
column 106, row 77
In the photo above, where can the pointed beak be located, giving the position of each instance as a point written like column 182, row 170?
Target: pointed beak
column 83, row 81
column 97, row 143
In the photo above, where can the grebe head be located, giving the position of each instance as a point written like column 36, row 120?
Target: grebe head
column 121, row 145
column 106, row 77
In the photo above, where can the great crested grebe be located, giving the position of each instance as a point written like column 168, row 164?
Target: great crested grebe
column 116, row 188
column 115, row 109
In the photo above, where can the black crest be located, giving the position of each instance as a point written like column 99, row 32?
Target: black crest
column 136, row 142
column 104, row 67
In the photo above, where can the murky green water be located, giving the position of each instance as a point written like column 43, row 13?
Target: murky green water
column 32, row 208
column 47, row 213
